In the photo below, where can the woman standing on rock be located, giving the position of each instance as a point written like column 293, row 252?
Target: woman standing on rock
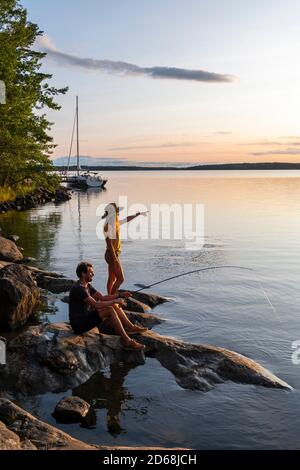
column 113, row 245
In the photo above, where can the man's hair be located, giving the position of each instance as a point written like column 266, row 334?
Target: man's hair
column 82, row 268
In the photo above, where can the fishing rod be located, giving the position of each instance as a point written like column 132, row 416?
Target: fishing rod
column 143, row 287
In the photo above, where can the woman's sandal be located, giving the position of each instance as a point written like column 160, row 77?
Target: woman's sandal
column 132, row 346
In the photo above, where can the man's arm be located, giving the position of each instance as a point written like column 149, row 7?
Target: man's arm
column 98, row 305
column 99, row 297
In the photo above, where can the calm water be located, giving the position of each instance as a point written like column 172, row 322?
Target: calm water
column 251, row 219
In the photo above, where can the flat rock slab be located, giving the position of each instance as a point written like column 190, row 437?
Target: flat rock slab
column 20, row 430
column 11, row 441
column 48, row 358
column 202, row 367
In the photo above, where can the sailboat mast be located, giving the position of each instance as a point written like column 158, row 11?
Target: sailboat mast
column 77, row 126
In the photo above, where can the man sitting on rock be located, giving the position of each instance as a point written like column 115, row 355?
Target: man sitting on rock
column 88, row 309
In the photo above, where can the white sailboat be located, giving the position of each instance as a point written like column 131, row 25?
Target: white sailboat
column 82, row 179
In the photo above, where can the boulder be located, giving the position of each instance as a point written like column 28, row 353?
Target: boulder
column 71, row 410
column 62, row 194
column 9, row 251
column 136, row 306
column 19, row 296
column 150, row 299
column 53, row 282
column 13, row 238
column 28, row 259
column 144, row 319
column 56, row 285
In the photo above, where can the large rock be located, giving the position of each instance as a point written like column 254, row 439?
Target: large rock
column 148, row 298
column 51, row 358
column 71, row 410
column 53, row 282
column 9, row 251
column 144, row 319
column 13, row 238
column 136, row 306
column 19, row 296
column 56, row 285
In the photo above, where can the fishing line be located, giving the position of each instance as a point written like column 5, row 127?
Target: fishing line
column 143, row 287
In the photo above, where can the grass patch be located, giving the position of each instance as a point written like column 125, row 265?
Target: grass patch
column 8, row 194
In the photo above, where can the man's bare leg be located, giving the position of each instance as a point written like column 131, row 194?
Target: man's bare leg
column 112, row 319
column 125, row 320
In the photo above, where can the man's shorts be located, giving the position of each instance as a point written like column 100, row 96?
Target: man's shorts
column 88, row 322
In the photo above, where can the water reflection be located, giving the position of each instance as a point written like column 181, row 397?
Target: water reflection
column 109, row 393
column 38, row 232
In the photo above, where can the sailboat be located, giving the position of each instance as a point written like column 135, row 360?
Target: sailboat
column 82, row 179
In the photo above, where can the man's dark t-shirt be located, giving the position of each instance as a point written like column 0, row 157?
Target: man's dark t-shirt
column 78, row 309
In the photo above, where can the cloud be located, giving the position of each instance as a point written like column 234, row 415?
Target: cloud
column 222, row 133
column 144, row 147
column 263, row 142
column 288, row 151
column 269, row 142
column 126, row 69
column 289, row 137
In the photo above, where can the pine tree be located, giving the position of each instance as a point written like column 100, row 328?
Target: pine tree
column 25, row 143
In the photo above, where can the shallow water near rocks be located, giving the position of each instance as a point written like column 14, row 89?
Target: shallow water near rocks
column 252, row 220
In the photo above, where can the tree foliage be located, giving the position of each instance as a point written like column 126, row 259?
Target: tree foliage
column 25, row 142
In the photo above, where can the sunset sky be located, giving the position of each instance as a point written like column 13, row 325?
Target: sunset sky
column 174, row 81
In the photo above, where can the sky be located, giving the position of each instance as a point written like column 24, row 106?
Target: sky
column 175, row 81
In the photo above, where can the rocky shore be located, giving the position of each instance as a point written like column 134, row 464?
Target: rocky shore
column 46, row 357
column 40, row 196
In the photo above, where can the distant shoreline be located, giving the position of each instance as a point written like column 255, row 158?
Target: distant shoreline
column 225, row 166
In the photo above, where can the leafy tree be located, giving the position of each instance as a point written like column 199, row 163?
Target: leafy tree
column 25, row 143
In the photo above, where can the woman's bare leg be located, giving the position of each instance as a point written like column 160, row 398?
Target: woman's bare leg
column 119, row 279
column 111, row 280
